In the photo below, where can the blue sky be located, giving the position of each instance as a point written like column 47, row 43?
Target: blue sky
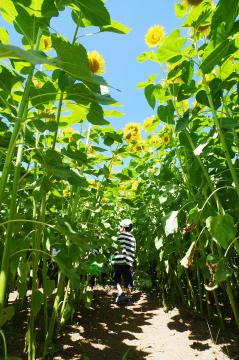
column 123, row 71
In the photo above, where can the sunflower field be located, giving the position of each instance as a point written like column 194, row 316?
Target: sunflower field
column 68, row 176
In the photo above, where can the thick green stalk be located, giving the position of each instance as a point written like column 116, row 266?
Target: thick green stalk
column 44, row 281
column 199, row 291
column 77, row 28
column 22, row 114
column 60, row 289
column 12, row 211
column 218, row 310
column 229, row 113
column 205, row 173
column 36, row 246
column 64, row 301
column 222, row 138
column 58, row 120
column 15, row 134
column 217, row 124
column 191, row 290
column 17, row 127
column 4, row 344
column 230, row 295
column 233, row 303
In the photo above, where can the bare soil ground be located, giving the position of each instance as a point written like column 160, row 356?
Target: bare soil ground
column 144, row 330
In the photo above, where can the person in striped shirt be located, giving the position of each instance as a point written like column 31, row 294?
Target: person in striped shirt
column 123, row 261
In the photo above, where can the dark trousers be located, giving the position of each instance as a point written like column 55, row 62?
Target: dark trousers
column 123, row 271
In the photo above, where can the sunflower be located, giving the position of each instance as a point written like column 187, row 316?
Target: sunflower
column 165, row 139
column 66, row 191
column 178, row 80
column 94, row 184
column 104, row 201
column 167, row 128
column 96, row 62
column 148, row 122
column 91, row 151
column 141, row 146
column 37, row 83
column 192, row 2
column 187, row 3
column 45, row 43
column 50, row 114
column 68, row 132
column 204, row 29
column 132, row 132
column 154, row 36
column 154, row 140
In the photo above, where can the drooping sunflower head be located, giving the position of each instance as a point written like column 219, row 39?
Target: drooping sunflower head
column 154, row 36
column 66, row 192
column 147, row 123
column 132, row 132
column 154, row 140
column 204, row 30
column 96, row 62
column 167, row 128
column 45, row 43
column 165, row 139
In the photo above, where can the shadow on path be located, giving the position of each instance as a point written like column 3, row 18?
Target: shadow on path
column 200, row 332
column 103, row 330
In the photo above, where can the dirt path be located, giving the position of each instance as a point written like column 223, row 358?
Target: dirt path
column 141, row 331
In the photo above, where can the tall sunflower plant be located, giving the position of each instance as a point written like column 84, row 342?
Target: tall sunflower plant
column 51, row 89
column 197, row 98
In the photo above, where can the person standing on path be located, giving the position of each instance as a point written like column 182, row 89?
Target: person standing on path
column 123, row 261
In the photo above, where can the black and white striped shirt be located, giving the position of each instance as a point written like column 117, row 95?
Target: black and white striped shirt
column 127, row 252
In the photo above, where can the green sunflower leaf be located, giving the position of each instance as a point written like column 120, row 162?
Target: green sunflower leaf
column 116, row 27
column 222, row 229
column 96, row 115
column 171, row 46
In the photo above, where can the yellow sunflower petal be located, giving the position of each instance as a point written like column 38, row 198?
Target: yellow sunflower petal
column 131, row 132
column 45, row 43
column 165, row 139
column 154, row 140
column 154, row 36
column 96, row 62
column 148, row 122
column 37, row 83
